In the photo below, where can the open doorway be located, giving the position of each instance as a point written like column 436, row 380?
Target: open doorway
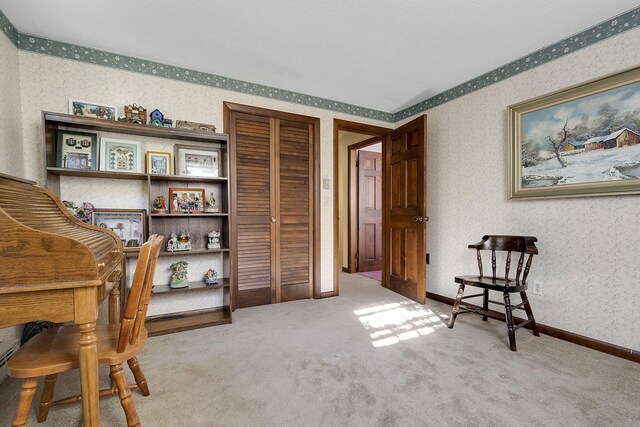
column 404, row 204
column 358, row 151
column 364, row 208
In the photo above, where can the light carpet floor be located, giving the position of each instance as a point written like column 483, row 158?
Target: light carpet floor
column 367, row 358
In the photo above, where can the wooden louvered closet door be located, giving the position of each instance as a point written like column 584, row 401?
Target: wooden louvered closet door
column 273, row 195
column 295, row 206
column 253, row 209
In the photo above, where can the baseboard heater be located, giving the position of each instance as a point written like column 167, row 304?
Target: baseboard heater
column 7, row 348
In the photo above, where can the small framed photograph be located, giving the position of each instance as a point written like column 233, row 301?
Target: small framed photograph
column 77, row 150
column 119, row 155
column 186, row 200
column 128, row 224
column 197, row 161
column 91, row 109
column 159, row 162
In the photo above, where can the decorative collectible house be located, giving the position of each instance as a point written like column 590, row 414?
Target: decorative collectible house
column 211, row 278
column 214, row 239
column 179, row 275
column 135, row 114
column 179, row 243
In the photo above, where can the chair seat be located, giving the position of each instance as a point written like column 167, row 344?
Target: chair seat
column 498, row 284
column 56, row 350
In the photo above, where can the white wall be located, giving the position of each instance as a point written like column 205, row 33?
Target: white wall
column 589, row 247
column 47, row 83
column 10, row 128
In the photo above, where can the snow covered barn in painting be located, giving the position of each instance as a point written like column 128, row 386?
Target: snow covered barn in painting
column 617, row 139
column 622, row 138
column 573, row 145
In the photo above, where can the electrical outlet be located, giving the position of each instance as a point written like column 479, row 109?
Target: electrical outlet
column 538, row 288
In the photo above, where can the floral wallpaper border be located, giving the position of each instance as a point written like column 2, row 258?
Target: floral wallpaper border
column 602, row 31
column 597, row 33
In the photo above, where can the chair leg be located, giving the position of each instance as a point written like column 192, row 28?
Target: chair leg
column 47, row 397
column 527, row 309
column 141, row 381
column 456, row 306
column 508, row 314
column 24, row 403
column 485, row 304
column 117, row 375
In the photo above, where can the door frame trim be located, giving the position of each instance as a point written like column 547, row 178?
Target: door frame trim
column 228, row 108
column 346, row 126
column 352, row 199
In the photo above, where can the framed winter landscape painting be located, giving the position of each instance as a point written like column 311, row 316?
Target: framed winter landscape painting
column 582, row 141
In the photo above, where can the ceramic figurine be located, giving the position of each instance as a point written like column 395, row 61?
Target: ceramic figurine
column 211, row 278
column 179, row 275
column 211, row 204
column 179, row 243
column 160, row 205
column 214, row 240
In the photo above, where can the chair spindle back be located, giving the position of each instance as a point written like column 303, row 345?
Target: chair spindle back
column 525, row 245
column 142, row 279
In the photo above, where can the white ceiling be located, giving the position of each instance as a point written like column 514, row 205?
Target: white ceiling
column 381, row 54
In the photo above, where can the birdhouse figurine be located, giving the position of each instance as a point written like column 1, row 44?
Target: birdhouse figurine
column 157, row 118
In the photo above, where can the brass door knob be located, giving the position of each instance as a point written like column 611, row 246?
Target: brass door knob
column 273, row 219
column 417, row 218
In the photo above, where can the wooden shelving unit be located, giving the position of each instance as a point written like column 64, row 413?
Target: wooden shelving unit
column 193, row 286
column 197, row 224
column 167, row 324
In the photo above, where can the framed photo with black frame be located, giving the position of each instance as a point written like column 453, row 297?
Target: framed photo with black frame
column 77, row 150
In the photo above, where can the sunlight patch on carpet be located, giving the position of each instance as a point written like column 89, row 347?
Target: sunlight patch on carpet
column 389, row 324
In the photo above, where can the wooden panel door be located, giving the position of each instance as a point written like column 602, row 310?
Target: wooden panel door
column 251, row 154
column 294, row 212
column 405, row 210
column 369, row 211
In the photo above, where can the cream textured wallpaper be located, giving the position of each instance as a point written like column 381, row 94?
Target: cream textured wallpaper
column 10, row 130
column 47, row 83
column 589, row 247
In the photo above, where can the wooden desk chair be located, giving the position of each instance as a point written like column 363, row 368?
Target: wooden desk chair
column 525, row 245
column 56, row 350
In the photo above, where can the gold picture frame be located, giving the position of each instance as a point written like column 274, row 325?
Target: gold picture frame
column 186, row 200
column 159, row 163
column 580, row 141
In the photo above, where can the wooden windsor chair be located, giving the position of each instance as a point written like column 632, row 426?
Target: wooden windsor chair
column 56, row 350
column 524, row 245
